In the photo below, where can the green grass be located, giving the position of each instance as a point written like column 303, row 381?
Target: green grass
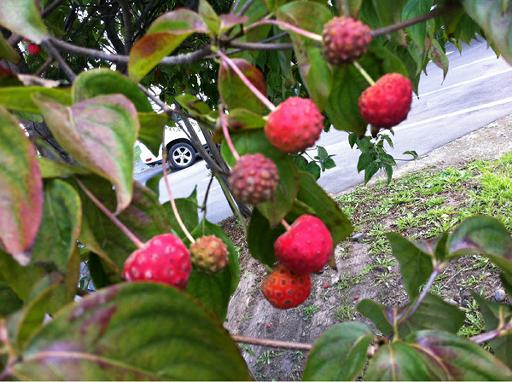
column 309, row 311
column 345, row 312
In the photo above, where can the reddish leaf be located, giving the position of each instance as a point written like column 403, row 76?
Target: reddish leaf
column 99, row 133
column 234, row 92
column 21, row 189
column 165, row 34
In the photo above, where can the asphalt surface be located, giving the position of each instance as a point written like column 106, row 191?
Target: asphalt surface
column 476, row 91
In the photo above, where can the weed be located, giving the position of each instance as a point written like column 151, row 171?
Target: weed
column 345, row 312
column 267, row 356
column 309, row 311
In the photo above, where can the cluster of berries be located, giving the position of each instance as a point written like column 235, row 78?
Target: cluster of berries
column 294, row 126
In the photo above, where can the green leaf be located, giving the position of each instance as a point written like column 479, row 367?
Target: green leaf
column 492, row 312
column 19, row 279
column 451, row 357
column 62, row 216
column 214, row 290
column 439, row 57
column 417, row 32
column 26, row 322
column 7, row 51
column 233, row 91
column 164, row 35
column 242, row 119
column 100, row 337
column 496, row 23
column 342, row 107
column 19, row 98
column 151, row 130
column 482, row 235
column 96, row 82
column 415, row 264
column 21, row 189
column 325, row 207
column 398, row 362
column 52, row 169
column 376, row 313
column 100, row 134
column 193, row 105
column 261, row 237
column 187, row 207
column 434, row 313
column 255, row 142
column 23, row 18
column 339, row 354
column 313, row 169
column 314, row 70
column 210, row 18
column 145, row 217
column 10, row 301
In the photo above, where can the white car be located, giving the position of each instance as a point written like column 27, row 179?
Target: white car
column 180, row 152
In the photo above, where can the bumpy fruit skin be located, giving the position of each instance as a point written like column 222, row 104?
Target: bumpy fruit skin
column 388, row 102
column 163, row 259
column 285, row 289
column 33, row 49
column 209, row 253
column 294, row 125
column 254, row 179
column 345, row 39
column 306, row 247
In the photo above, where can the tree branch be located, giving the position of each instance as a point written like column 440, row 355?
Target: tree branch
column 416, row 20
column 185, row 58
column 128, row 33
column 52, row 51
column 260, row 45
column 272, row 343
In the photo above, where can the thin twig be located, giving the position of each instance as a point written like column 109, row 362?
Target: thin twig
column 407, row 313
column 118, row 223
column 43, row 67
column 260, row 45
column 246, row 81
column 225, row 131
column 207, row 193
column 169, row 193
column 245, row 7
column 416, row 20
column 487, row 336
column 272, row 343
column 52, row 51
column 128, row 34
column 364, row 73
column 286, row 26
column 285, row 224
column 51, row 7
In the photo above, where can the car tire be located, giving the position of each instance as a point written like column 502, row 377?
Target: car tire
column 181, row 155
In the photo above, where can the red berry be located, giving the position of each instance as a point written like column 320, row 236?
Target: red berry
column 254, row 179
column 285, row 289
column 345, row 39
column 306, row 247
column 209, row 253
column 294, row 125
column 163, row 259
column 34, row 49
column 388, row 102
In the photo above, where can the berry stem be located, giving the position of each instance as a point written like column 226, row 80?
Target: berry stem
column 113, row 218
column 287, row 27
column 246, row 81
column 285, row 224
column 364, row 73
column 171, row 198
column 225, row 131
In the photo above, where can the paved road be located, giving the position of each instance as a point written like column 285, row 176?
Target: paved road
column 476, row 91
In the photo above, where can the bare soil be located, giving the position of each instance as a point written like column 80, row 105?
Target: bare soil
column 337, row 292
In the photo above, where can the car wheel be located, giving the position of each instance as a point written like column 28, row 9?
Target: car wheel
column 181, row 155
